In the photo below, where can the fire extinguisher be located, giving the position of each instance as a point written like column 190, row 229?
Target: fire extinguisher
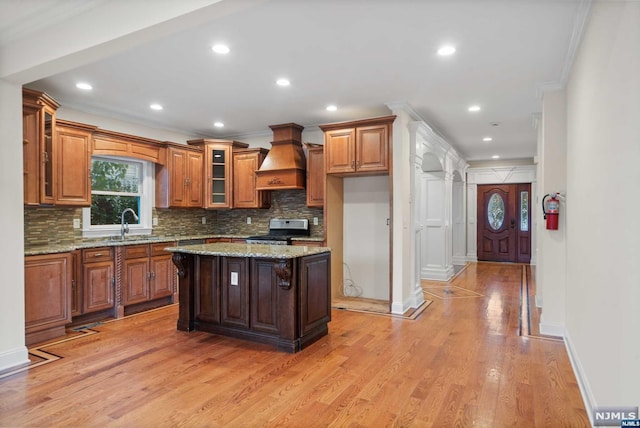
column 550, row 210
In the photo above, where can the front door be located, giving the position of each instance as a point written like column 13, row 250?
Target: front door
column 504, row 223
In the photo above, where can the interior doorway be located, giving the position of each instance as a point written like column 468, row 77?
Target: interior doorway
column 504, row 222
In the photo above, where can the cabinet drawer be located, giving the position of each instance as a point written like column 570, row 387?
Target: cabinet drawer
column 99, row 254
column 136, row 251
column 158, row 249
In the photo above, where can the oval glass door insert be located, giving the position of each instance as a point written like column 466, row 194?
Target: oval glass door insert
column 495, row 211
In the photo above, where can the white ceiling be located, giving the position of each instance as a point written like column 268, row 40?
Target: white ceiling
column 360, row 55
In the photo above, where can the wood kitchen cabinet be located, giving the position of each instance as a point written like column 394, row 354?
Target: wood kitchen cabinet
column 98, row 280
column 245, row 164
column 72, row 163
column 315, row 175
column 179, row 181
column 217, row 172
column 148, row 274
column 359, row 147
column 38, row 134
column 48, row 282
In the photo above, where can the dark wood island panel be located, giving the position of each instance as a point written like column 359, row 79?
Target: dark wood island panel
column 279, row 296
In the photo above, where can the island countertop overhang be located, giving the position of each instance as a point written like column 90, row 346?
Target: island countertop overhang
column 249, row 250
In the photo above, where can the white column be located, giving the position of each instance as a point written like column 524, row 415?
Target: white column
column 459, row 227
column 436, row 234
column 472, row 219
column 551, row 269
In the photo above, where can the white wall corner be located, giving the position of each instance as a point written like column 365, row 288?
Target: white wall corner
column 14, row 358
column 583, row 383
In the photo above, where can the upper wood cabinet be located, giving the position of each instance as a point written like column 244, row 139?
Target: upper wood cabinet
column 179, row 181
column 110, row 143
column 72, row 157
column 245, row 164
column 38, row 134
column 217, row 175
column 359, row 147
column 315, row 175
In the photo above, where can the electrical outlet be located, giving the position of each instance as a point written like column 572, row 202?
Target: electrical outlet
column 76, row 223
column 204, row 220
column 248, row 220
column 315, row 221
column 155, row 221
column 234, row 278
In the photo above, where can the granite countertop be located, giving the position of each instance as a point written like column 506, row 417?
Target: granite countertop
column 32, row 250
column 249, row 250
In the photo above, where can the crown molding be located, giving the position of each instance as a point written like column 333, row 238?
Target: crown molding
column 579, row 24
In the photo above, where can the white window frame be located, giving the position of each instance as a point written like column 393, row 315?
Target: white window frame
column 147, row 202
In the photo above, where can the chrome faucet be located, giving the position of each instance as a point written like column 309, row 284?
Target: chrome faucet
column 124, row 226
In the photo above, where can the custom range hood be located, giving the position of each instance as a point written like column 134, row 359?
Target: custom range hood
column 285, row 165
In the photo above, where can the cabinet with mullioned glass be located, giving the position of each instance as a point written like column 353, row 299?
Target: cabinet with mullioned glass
column 218, row 174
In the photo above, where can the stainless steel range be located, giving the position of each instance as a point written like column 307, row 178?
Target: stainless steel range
column 281, row 231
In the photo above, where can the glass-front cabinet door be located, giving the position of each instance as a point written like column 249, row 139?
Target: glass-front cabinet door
column 217, row 171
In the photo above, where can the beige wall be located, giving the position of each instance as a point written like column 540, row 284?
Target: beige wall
column 12, row 349
column 603, row 205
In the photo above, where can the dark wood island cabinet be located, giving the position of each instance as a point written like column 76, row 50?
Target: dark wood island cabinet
column 275, row 294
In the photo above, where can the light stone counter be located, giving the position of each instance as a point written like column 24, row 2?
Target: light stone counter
column 249, row 250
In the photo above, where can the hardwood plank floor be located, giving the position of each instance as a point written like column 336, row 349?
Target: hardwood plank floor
column 460, row 363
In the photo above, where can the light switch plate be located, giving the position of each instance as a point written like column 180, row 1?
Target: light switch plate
column 76, row 223
column 315, row 221
column 204, row 220
column 248, row 220
column 155, row 221
column 234, row 278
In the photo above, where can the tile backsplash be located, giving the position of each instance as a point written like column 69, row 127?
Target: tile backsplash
column 54, row 225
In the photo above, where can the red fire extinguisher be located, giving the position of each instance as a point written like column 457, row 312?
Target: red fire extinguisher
column 550, row 210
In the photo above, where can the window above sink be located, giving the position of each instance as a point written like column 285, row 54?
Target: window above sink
column 118, row 184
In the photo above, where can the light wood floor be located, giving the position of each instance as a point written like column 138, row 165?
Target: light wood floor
column 460, row 363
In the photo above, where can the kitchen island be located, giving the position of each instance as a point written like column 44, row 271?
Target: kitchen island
column 275, row 294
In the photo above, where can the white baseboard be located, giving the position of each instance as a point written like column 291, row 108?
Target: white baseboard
column 538, row 301
column 551, row 328
column 437, row 274
column 14, row 358
column 585, row 390
column 459, row 260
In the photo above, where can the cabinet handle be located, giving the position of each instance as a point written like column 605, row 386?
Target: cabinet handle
column 45, row 157
column 353, row 164
column 97, row 255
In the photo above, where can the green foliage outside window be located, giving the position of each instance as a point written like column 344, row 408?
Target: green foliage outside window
column 114, row 186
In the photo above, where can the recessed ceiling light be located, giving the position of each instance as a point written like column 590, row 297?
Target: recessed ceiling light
column 155, row 107
column 332, row 107
column 487, row 139
column 283, row 82
column 84, row 86
column 474, row 108
column 220, row 49
column 495, row 157
column 446, row 50
column 218, row 124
